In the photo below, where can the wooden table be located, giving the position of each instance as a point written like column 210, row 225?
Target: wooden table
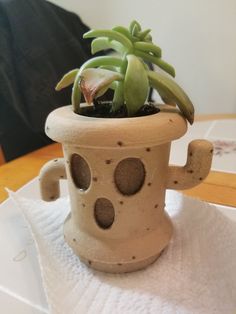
column 219, row 187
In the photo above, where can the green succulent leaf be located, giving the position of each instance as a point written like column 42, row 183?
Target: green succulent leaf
column 114, row 85
column 67, row 79
column 118, row 99
column 166, row 99
column 102, row 61
column 124, row 31
column 173, row 92
column 136, row 85
column 108, row 67
column 112, row 35
column 92, row 63
column 143, row 34
column 103, row 43
column 138, row 26
column 128, row 74
column 135, row 30
column 148, row 47
column 134, row 27
column 95, row 82
column 148, row 38
column 157, row 61
column 76, row 94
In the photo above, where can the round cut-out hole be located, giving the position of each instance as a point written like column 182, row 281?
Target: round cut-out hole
column 104, row 213
column 129, row 176
column 80, row 172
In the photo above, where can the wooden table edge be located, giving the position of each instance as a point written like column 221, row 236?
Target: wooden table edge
column 218, row 187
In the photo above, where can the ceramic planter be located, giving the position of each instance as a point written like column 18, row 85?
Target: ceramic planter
column 118, row 171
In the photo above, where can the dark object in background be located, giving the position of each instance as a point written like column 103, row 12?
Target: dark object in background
column 39, row 43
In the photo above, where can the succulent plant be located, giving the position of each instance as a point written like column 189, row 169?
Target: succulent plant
column 127, row 73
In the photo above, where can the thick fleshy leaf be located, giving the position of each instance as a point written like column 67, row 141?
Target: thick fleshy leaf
column 95, row 82
column 171, row 91
column 111, row 34
column 136, row 85
column 67, row 79
column 101, row 61
column 135, row 30
column 134, row 27
column 108, row 67
column 158, row 61
column 124, row 31
column 103, row 43
column 94, row 62
column 148, row 47
column 76, row 94
column 143, row 34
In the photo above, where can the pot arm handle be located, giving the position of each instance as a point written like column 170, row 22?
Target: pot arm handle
column 49, row 177
column 196, row 169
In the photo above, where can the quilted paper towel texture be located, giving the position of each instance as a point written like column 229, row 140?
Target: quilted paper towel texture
column 195, row 274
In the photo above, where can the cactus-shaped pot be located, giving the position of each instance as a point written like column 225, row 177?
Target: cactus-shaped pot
column 117, row 179
column 118, row 168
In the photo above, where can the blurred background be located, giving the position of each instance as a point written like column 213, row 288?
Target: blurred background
column 198, row 37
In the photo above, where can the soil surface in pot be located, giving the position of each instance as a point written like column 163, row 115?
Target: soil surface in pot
column 102, row 109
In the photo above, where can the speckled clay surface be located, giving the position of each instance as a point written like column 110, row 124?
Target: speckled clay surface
column 117, row 172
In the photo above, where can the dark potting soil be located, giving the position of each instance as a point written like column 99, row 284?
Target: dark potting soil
column 102, row 109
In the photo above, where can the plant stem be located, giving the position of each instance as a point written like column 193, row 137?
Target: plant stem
column 76, row 95
column 118, row 99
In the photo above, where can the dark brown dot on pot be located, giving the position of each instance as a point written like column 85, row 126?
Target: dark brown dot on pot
column 190, row 171
column 148, row 149
column 121, row 202
column 211, row 151
column 90, row 262
column 156, row 206
column 133, row 257
column 191, row 154
column 149, row 184
column 120, row 143
column 74, row 240
column 83, row 205
column 148, row 229
column 108, row 161
column 170, row 120
column 200, row 178
column 95, row 179
column 119, row 264
column 62, row 177
column 52, row 198
column 175, row 182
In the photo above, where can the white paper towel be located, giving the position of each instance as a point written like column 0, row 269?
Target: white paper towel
column 195, row 274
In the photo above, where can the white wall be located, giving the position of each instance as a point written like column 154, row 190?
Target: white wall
column 198, row 37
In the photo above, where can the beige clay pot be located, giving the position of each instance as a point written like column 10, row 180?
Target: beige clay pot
column 117, row 172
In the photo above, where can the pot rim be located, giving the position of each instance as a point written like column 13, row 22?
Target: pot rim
column 64, row 126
